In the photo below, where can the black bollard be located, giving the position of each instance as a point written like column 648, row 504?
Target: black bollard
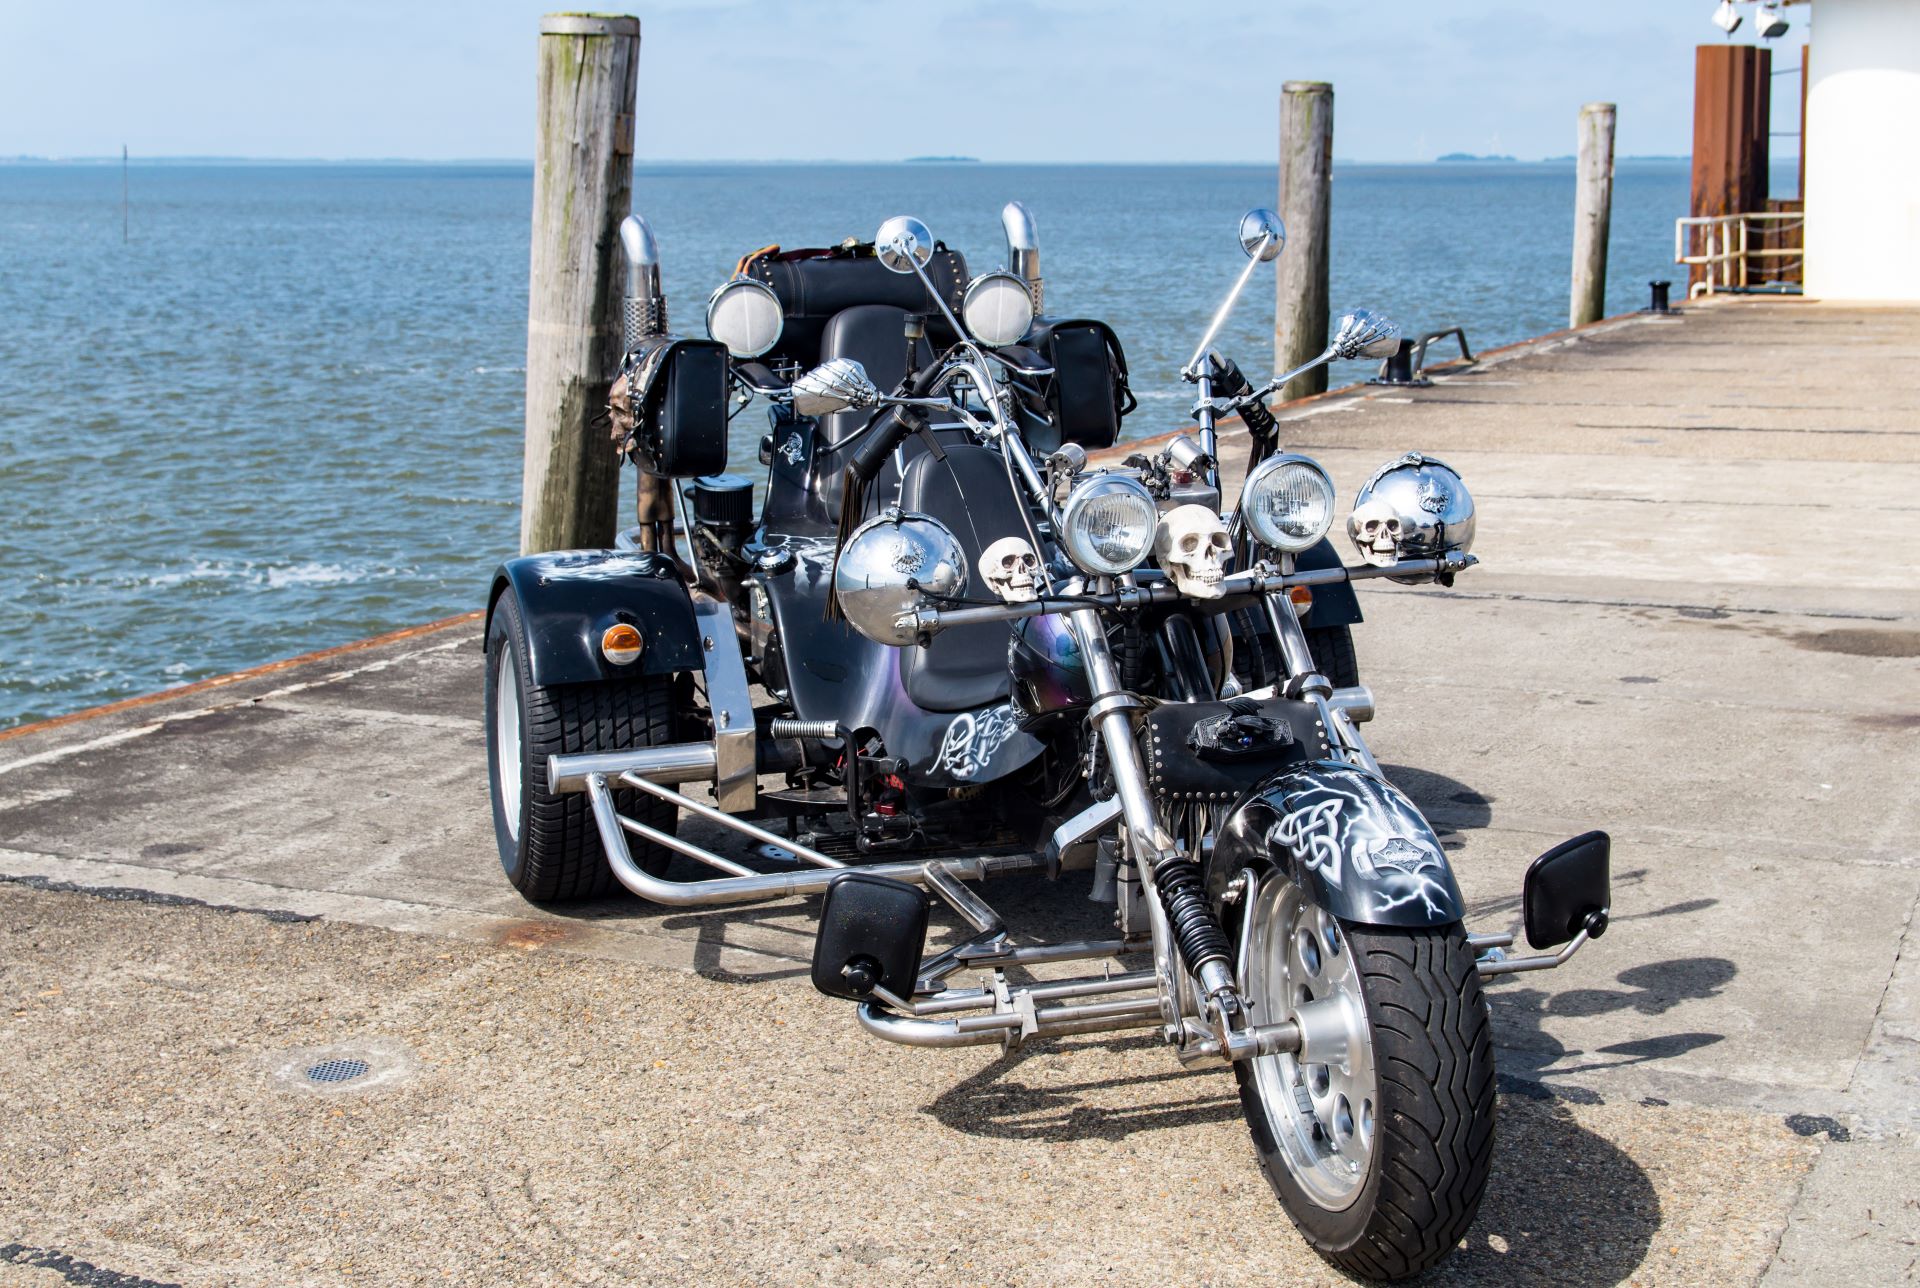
column 1398, row 368
column 1659, row 303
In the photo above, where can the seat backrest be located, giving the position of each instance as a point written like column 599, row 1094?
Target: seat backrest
column 964, row 668
column 873, row 335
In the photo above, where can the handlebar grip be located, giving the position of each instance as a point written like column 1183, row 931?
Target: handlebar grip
column 892, row 429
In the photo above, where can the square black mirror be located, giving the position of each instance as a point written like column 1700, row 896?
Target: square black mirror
column 872, row 931
column 1567, row 885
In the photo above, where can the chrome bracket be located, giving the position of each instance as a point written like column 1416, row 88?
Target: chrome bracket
column 730, row 701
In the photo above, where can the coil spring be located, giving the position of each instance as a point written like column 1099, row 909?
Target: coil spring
column 1195, row 928
column 816, row 729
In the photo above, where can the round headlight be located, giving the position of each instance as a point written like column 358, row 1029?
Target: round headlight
column 1288, row 503
column 1108, row 524
column 745, row 315
column 997, row 309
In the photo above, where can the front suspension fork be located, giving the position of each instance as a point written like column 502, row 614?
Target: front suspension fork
column 1181, row 918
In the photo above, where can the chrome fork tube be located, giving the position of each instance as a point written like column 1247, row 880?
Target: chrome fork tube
column 1342, row 732
column 1148, row 842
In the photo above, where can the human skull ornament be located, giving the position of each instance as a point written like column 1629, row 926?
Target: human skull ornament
column 1191, row 544
column 1375, row 530
column 1009, row 565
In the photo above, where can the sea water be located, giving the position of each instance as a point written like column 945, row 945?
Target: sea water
column 285, row 411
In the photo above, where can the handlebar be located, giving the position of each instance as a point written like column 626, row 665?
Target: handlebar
column 931, row 621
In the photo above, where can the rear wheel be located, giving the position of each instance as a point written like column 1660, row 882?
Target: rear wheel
column 1379, row 1148
column 549, row 845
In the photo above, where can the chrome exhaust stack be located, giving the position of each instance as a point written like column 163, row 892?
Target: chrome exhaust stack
column 645, row 307
column 1023, row 249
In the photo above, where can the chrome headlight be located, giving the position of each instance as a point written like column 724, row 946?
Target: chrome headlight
column 1288, row 503
column 1108, row 524
column 746, row 316
column 997, row 308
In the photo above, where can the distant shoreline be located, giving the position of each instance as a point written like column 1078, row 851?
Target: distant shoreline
column 1452, row 160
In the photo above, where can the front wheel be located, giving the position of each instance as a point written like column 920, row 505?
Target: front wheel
column 1379, row 1150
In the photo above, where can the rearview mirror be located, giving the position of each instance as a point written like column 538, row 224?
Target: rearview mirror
column 902, row 242
column 834, row 385
column 1364, row 334
column 1262, row 235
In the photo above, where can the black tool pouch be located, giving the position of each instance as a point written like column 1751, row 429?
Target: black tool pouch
column 1216, row 751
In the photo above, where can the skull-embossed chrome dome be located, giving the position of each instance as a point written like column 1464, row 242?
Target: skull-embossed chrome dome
column 1412, row 508
column 888, row 566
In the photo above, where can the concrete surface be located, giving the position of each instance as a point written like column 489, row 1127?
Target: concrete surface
column 1695, row 626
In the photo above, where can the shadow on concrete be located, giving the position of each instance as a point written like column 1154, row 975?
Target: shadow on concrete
column 1027, row 1096
column 1565, row 1206
column 1531, row 1054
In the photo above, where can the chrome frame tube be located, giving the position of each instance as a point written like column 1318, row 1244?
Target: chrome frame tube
column 678, row 762
column 738, row 824
column 1544, row 961
column 761, row 887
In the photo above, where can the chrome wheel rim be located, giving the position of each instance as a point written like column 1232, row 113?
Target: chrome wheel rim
column 1320, row 1103
column 507, row 766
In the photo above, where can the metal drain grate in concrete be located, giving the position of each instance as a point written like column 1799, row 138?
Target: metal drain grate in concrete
column 342, row 1068
column 337, row 1071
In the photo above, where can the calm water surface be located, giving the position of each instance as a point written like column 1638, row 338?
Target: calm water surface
column 287, row 414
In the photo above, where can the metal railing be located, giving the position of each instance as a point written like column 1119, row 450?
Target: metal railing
column 1736, row 256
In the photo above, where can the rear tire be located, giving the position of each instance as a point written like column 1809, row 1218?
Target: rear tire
column 549, row 845
column 1422, row 1094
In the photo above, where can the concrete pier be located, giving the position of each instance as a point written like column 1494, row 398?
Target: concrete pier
column 1697, row 626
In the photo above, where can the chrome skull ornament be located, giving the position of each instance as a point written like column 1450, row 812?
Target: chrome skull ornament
column 1008, row 566
column 1414, row 507
column 1191, row 544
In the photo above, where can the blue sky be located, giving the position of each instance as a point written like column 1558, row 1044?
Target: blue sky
column 1044, row 80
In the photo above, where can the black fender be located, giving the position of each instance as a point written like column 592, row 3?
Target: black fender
column 568, row 599
column 1334, row 604
column 1352, row 840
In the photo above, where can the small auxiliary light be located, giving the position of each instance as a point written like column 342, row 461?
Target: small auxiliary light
column 1726, row 17
column 620, row 644
column 1301, row 597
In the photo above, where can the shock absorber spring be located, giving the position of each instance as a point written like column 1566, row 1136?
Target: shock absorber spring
column 1195, row 929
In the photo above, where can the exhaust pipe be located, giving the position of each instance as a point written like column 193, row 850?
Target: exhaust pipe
column 1023, row 249
column 645, row 306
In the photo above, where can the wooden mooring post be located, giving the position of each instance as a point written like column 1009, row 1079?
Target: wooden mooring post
column 582, row 189
column 1306, row 205
column 1592, row 213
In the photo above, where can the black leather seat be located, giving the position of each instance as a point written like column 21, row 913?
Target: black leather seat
column 964, row 668
column 873, row 335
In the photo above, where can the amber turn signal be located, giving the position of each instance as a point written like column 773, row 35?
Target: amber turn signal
column 1302, row 599
column 620, row 644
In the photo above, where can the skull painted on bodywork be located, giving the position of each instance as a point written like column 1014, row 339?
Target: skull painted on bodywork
column 1009, row 565
column 1191, row 544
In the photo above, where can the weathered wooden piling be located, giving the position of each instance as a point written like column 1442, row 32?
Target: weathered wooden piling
column 582, row 189
column 1592, row 213
column 1306, row 204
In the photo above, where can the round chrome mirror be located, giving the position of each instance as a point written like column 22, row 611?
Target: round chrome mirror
column 1365, row 334
column 834, row 385
column 1262, row 235
column 746, row 316
column 902, row 242
column 888, row 567
column 997, row 308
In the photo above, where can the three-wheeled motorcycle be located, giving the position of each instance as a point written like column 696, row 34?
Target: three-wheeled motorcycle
column 961, row 633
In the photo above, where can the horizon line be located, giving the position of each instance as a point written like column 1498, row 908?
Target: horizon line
column 227, row 159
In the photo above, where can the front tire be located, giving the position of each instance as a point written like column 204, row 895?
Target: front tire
column 549, row 845
column 1379, row 1159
